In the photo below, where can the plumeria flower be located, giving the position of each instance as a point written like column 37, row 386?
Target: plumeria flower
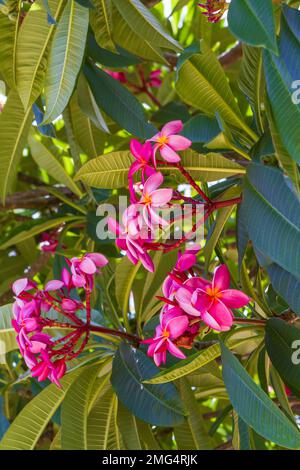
column 168, row 142
column 132, row 237
column 46, row 369
column 154, row 80
column 211, row 301
column 83, row 269
column 173, row 325
column 153, row 198
column 119, row 76
column 143, row 159
column 185, row 261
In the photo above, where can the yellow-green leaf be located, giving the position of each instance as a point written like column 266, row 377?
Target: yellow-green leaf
column 65, row 58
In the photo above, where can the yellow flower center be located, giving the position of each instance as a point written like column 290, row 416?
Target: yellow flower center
column 166, row 334
column 213, row 292
column 162, row 140
column 147, row 199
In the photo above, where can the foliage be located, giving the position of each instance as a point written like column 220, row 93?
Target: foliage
column 80, row 83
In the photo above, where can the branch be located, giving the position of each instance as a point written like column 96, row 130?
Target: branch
column 226, row 59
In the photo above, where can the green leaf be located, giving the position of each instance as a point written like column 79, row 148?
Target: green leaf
column 202, row 83
column 145, row 24
column 111, row 171
column 102, row 23
column 286, row 113
column 270, row 201
column 46, row 160
column 29, row 425
column 89, row 106
column 118, row 103
column 74, row 413
column 90, row 139
column 7, row 333
column 103, row 432
column 282, row 342
column 193, row 433
column 286, row 285
column 251, row 82
column 156, row 404
column 222, row 217
column 8, row 45
column 127, row 423
column 14, row 128
column 186, row 366
column 253, row 22
column 65, row 59
column 129, row 40
column 33, row 45
column 254, row 406
column 25, row 233
column 287, row 163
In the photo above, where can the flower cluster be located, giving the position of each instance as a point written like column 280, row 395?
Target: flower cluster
column 46, row 357
column 214, row 9
column 188, row 300
column 136, row 235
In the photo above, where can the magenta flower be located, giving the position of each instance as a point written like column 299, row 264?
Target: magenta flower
column 119, row 76
column 184, row 263
column 211, row 301
column 143, row 159
column 173, row 325
column 131, row 237
column 168, row 142
column 83, row 269
column 154, row 198
column 154, row 80
column 46, row 369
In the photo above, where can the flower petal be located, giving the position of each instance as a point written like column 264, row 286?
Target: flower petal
column 172, row 127
column 174, row 350
column 219, row 315
column 234, row 298
column 99, row 259
column 161, row 196
column 177, row 326
column 87, row 266
column 169, row 155
column 53, row 285
column 153, row 182
column 178, row 142
column 184, row 297
column 185, row 262
column 19, row 286
column 221, row 278
column 136, row 148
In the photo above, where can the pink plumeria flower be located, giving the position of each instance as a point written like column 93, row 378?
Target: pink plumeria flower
column 154, row 80
column 173, row 325
column 119, row 76
column 211, row 301
column 168, row 142
column 185, row 262
column 143, row 159
column 132, row 237
column 154, row 198
column 83, row 269
column 45, row 369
